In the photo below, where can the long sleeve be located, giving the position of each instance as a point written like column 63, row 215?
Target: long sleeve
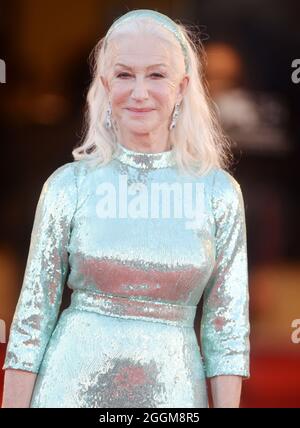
column 225, row 327
column 45, row 273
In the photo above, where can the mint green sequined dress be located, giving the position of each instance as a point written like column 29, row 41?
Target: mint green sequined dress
column 138, row 266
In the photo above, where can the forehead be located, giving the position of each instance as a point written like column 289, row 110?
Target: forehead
column 139, row 51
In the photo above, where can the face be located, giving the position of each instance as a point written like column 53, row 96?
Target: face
column 143, row 77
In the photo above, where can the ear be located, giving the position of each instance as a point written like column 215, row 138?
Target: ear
column 183, row 86
column 105, row 84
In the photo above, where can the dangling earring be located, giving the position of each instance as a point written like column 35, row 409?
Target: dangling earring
column 174, row 116
column 108, row 124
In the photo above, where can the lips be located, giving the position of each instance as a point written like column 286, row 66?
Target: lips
column 137, row 110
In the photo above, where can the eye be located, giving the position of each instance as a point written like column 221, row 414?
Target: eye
column 123, row 74
column 126, row 74
column 157, row 75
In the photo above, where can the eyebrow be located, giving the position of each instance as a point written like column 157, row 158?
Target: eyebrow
column 150, row 66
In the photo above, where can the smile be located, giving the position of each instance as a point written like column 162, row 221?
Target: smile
column 139, row 112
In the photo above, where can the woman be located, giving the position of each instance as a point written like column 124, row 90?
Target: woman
column 120, row 227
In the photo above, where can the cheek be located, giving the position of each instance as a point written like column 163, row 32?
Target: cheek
column 164, row 101
column 119, row 92
column 163, row 95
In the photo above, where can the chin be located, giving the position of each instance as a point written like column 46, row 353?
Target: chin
column 140, row 129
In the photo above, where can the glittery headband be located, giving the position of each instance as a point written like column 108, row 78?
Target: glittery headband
column 164, row 20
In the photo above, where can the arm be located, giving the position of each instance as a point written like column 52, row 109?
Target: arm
column 226, row 391
column 225, row 327
column 18, row 387
column 45, row 274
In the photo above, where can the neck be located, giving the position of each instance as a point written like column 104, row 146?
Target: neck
column 152, row 142
column 144, row 160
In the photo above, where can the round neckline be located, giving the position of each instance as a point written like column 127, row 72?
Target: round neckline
column 145, row 160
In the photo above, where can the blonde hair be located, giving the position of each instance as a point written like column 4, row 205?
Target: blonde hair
column 198, row 141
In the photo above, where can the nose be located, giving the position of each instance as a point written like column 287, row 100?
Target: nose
column 139, row 91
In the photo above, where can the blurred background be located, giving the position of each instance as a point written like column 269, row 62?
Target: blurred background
column 250, row 46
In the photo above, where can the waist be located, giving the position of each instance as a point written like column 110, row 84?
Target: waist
column 133, row 308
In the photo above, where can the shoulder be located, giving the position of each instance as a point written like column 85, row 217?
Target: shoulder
column 225, row 187
column 62, row 174
column 224, row 182
column 59, row 189
column 227, row 194
column 59, row 194
column 66, row 176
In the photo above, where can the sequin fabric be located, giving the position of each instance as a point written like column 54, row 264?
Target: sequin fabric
column 138, row 266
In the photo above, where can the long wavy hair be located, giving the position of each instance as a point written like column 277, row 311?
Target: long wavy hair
column 198, row 140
